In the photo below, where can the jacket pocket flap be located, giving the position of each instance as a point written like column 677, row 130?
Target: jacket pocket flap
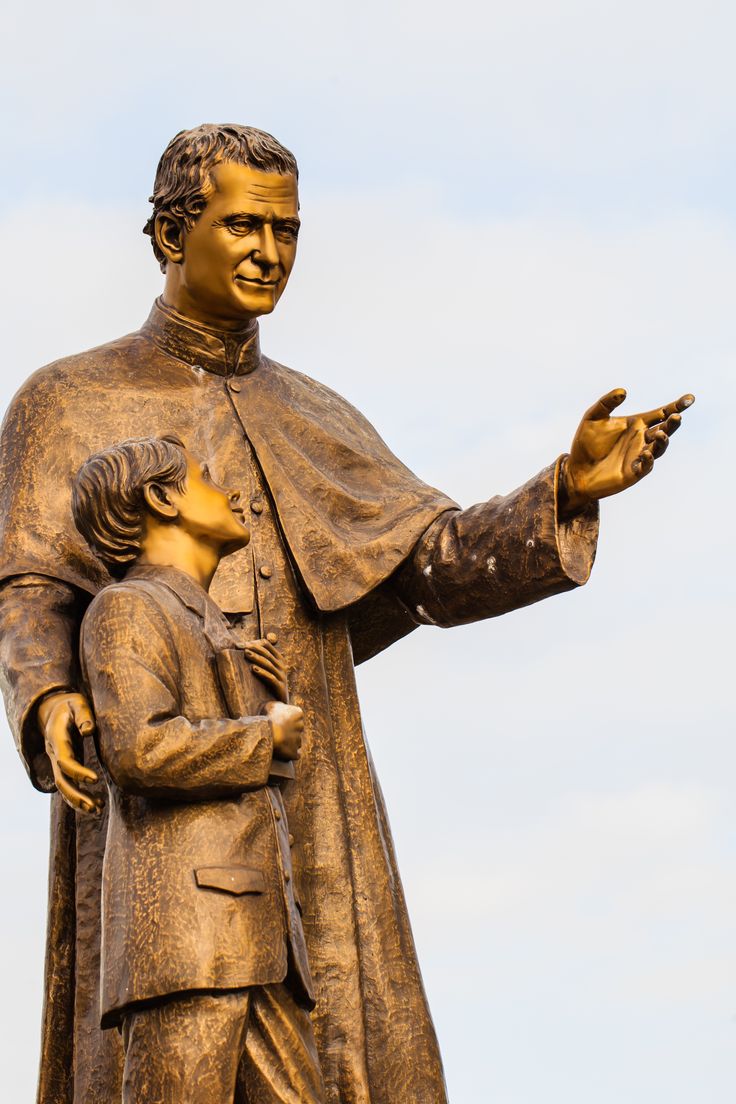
column 231, row 879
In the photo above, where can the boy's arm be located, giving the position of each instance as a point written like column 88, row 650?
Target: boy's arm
column 147, row 747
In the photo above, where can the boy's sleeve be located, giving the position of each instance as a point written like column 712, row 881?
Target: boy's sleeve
column 147, row 747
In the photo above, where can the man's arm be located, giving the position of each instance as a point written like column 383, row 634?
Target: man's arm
column 540, row 540
column 39, row 627
column 498, row 556
column 145, row 743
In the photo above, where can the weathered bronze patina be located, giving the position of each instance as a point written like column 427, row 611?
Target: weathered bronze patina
column 349, row 552
column 204, row 964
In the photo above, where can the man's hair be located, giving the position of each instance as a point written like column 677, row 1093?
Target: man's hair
column 183, row 181
column 107, row 495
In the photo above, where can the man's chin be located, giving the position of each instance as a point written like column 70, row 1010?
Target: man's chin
column 254, row 302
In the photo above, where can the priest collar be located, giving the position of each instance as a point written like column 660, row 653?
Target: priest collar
column 217, row 351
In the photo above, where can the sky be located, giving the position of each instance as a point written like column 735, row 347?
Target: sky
column 507, row 211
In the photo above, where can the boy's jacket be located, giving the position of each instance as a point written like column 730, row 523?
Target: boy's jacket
column 197, row 877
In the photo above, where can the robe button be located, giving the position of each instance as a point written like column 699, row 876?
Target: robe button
column 277, row 814
column 233, row 385
column 256, row 506
column 272, row 638
column 291, row 840
column 287, row 876
column 265, row 571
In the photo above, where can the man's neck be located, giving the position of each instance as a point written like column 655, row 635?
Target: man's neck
column 176, row 301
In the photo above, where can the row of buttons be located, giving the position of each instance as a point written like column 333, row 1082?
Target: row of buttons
column 277, row 816
column 264, row 570
column 256, row 505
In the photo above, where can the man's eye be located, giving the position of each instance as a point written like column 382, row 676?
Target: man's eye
column 239, row 228
column 286, row 233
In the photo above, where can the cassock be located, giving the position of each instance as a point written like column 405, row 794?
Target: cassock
column 349, row 551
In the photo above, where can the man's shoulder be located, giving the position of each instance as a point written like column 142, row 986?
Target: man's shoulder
column 309, row 395
column 75, row 370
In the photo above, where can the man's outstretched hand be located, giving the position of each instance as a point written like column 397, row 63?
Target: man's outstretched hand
column 609, row 454
column 60, row 715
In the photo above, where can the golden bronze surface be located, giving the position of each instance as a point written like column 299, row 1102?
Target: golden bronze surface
column 348, row 552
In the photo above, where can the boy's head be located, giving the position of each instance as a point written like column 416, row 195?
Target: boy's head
column 128, row 496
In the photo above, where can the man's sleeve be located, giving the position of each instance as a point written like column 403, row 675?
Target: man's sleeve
column 146, row 745
column 498, row 556
column 39, row 629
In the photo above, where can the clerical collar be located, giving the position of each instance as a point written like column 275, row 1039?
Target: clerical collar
column 214, row 350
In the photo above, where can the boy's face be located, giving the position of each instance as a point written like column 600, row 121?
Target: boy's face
column 208, row 512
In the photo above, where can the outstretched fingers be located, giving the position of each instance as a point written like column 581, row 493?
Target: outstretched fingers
column 605, row 406
column 657, row 440
column 664, row 413
column 662, row 424
column 643, row 464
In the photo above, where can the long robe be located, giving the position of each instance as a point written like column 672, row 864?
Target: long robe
column 349, row 551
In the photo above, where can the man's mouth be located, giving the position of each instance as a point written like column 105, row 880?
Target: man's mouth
column 256, row 282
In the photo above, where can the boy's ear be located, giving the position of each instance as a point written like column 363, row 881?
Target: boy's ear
column 157, row 499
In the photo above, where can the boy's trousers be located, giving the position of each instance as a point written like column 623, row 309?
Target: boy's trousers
column 252, row 1045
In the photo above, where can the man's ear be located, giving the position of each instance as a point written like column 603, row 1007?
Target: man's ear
column 169, row 234
column 158, row 501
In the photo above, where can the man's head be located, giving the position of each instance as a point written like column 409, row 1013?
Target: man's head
column 151, row 491
column 225, row 222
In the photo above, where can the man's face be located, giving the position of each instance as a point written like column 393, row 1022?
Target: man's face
column 208, row 512
column 238, row 256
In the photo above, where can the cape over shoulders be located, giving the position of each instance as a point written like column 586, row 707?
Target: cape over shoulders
column 343, row 498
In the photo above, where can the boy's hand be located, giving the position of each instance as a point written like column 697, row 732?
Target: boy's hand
column 287, row 722
column 268, row 665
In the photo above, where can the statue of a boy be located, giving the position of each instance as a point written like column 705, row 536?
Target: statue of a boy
column 204, row 964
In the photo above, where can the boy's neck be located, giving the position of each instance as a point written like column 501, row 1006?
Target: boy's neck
column 174, row 548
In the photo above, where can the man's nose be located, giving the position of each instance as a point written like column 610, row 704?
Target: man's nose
column 266, row 254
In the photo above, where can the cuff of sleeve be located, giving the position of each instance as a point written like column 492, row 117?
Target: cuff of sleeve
column 576, row 536
column 31, row 742
column 265, row 749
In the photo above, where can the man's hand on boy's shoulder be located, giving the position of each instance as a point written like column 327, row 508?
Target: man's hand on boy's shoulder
column 268, row 665
column 287, row 723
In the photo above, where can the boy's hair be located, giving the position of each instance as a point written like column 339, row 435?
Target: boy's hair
column 107, row 495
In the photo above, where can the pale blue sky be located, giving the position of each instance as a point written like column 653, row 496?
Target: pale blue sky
column 508, row 210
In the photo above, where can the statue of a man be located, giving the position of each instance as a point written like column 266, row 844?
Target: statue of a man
column 349, row 552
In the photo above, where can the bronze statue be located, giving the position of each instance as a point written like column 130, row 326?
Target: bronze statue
column 201, row 933
column 349, row 552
